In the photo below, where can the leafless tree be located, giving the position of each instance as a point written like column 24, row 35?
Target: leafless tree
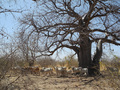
column 7, row 52
column 28, row 47
column 75, row 24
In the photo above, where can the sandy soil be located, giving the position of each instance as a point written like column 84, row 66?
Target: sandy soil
column 72, row 82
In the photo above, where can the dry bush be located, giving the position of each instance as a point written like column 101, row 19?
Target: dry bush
column 61, row 63
column 46, row 62
column 68, row 62
column 116, row 62
column 22, row 63
column 5, row 66
column 111, row 71
column 113, row 79
column 71, row 61
column 11, row 81
column 103, row 65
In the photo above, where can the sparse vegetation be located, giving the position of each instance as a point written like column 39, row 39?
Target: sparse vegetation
column 46, row 62
column 111, row 72
column 51, row 26
column 109, row 79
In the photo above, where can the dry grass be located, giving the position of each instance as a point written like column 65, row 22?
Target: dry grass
column 107, row 81
column 111, row 76
column 31, row 82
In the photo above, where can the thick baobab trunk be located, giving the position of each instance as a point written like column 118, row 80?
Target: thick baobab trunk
column 84, row 54
column 84, row 57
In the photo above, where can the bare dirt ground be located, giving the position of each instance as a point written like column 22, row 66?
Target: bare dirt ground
column 72, row 82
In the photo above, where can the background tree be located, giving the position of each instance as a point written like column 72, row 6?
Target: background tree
column 7, row 49
column 75, row 24
column 28, row 47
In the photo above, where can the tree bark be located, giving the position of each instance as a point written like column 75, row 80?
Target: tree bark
column 84, row 54
column 95, row 66
column 84, row 57
column 31, row 63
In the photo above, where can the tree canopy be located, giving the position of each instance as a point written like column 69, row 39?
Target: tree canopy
column 64, row 23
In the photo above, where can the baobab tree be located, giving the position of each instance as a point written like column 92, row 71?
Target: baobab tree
column 75, row 24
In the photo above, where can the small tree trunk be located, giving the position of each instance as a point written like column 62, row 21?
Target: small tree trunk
column 95, row 66
column 31, row 63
